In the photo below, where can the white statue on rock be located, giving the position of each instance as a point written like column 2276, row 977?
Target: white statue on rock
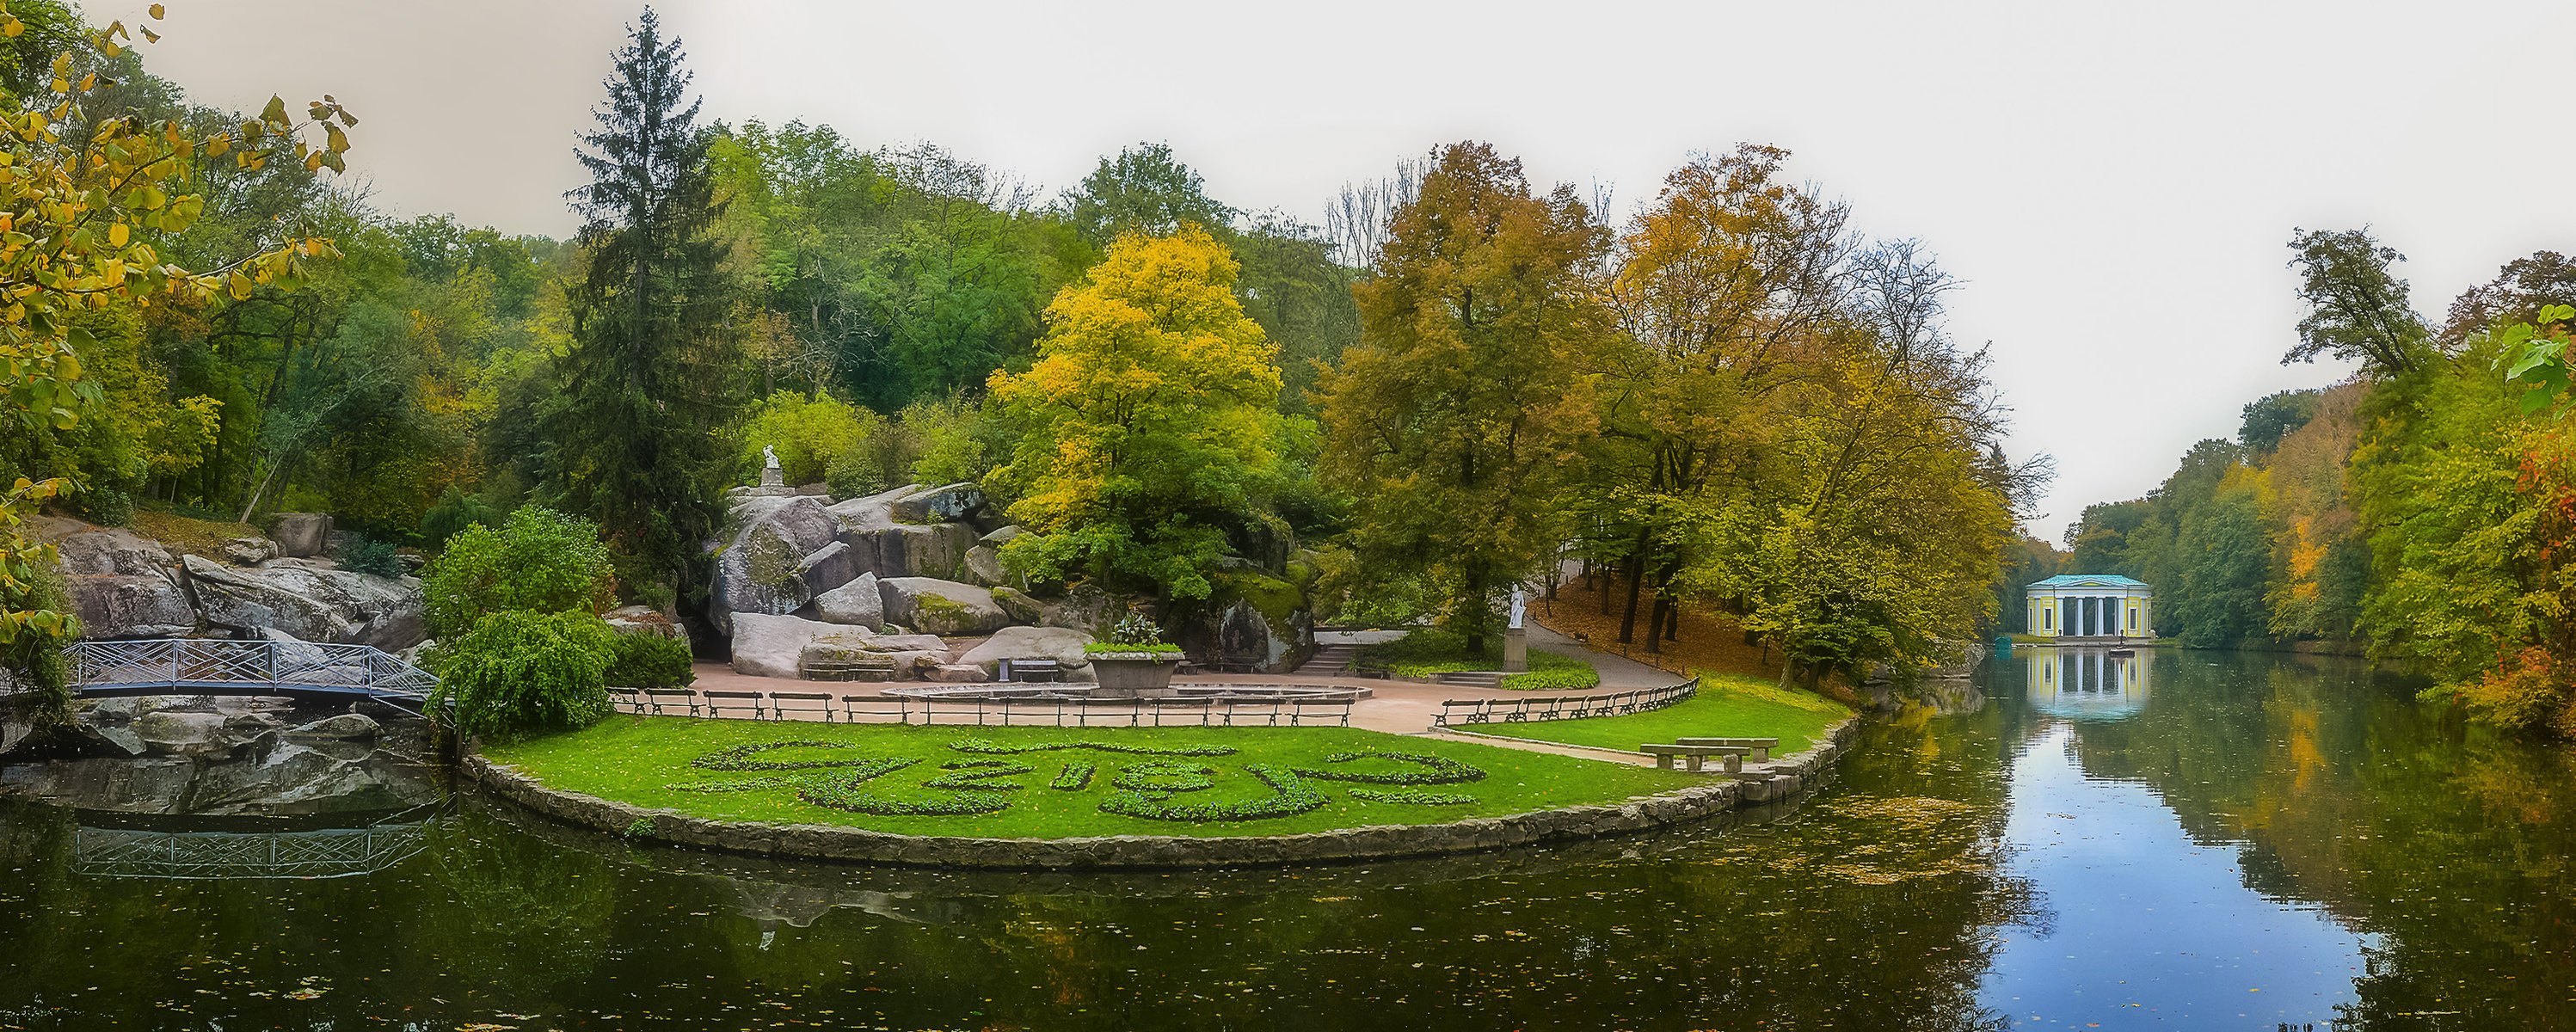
column 770, row 454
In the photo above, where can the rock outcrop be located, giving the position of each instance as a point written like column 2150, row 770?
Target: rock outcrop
column 766, row 645
column 859, row 603
column 122, row 585
column 309, row 600
column 761, row 563
column 301, row 535
column 1063, row 645
column 941, row 606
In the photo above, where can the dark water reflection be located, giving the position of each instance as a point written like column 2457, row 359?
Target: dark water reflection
column 2230, row 842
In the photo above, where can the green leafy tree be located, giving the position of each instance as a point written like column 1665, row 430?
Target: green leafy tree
column 538, row 560
column 647, row 380
column 2357, row 308
column 519, row 673
column 1148, row 425
column 1144, row 190
column 1456, row 422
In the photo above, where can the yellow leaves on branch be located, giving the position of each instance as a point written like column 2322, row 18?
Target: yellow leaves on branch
column 69, row 212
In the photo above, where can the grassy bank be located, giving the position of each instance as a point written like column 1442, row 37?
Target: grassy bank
column 920, row 780
column 1427, row 652
column 1727, row 705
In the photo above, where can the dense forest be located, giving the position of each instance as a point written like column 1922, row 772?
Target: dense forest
column 1456, row 383
column 2416, row 511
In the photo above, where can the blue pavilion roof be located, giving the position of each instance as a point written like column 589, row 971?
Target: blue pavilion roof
column 2089, row 580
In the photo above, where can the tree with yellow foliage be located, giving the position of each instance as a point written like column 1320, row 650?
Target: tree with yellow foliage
column 83, row 194
column 1149, row 422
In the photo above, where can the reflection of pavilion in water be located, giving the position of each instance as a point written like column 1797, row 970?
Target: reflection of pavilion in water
column 153, row 852
column 2079, row 683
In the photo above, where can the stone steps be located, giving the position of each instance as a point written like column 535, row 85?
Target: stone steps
column 1471, row 678
column 1329, row 660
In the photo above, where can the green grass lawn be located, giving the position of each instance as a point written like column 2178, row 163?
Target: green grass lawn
column 640, row 760
column 1427, row 652
column 1726, row 706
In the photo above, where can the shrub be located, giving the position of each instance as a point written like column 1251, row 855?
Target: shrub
column 107, row 506
column 455, row 511
column 519, row 673
column 2524, row 693
column 1134, row 632
column 363, row 554
column 650, row 661
column 858, row 471
column 539, row 560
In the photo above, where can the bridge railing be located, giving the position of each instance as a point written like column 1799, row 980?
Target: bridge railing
column 219, row 664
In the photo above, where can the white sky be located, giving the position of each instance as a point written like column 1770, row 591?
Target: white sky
column 2115, row 184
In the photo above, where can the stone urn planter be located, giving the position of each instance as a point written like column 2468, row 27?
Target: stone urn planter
column 1134, row 675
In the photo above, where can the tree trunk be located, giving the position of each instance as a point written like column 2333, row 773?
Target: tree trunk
column 1636, row 581
column 1479, row 610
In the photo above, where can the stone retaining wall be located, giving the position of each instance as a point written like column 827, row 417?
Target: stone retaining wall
column 1789, row 776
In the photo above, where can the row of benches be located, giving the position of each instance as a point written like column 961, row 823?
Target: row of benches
column 830, row 707
column 1455, row 712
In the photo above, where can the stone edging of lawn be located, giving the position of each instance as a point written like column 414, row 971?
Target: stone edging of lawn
column 835, row 842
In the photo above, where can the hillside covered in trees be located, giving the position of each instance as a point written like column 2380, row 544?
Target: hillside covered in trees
column 2417, row 511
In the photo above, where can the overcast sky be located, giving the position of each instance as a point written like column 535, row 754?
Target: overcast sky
column 2115, row 184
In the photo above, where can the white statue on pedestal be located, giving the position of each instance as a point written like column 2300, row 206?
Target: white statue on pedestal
column 770, row 454
column 1520, row 606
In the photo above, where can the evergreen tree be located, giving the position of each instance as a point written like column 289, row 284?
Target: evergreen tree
column 647, row 379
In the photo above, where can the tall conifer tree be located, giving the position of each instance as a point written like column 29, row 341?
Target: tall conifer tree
column 650, row 374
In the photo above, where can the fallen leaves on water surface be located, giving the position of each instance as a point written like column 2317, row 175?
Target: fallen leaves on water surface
column 1884, row 840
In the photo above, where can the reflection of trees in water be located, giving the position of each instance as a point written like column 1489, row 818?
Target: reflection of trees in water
column 522, row 917
column 2449, row 843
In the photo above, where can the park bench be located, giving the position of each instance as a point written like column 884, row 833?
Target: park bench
column 658, row 701
column 1317, row 711
column 718, row 702
column 1046, row 670
column 783, row 703
column 855, row 706
column 1731, row 757
column 625, row 700
column 1759, row 749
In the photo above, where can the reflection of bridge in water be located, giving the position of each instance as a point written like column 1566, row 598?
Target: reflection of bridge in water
column 2081, row 683
column 146, row 852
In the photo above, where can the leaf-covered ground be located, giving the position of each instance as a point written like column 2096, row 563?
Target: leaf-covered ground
column 646, row 761
column 1727, row 706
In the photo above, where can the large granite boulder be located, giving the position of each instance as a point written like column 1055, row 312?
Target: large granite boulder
column 859, row 603
column 766, row 645
column 309, row 600
column 951, row 503
column 941, row 606
column 301, row 535
column 251, row 551
column 984, row 563
column 117, row 606
column 905, row 543
column 122, row 584
column 346, row 727
column 1063, row 645
column 832, row 566
column 765, row 548
column 111, row 550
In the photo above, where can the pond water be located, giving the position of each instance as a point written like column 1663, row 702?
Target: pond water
column 2186, row 840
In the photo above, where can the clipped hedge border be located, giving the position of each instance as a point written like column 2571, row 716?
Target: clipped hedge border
column 1444, row 771
column 1292, row 796
column 1414, row 796
column 1793, row 775
column 986, row 747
